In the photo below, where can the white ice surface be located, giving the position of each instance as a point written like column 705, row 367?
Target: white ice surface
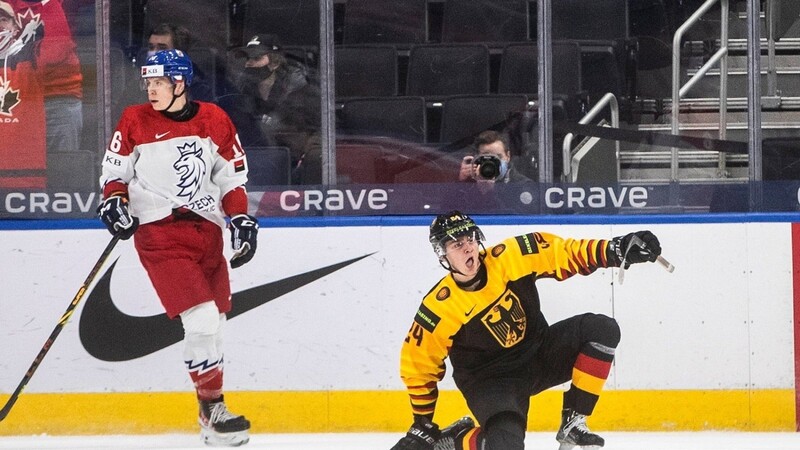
column 384, row 441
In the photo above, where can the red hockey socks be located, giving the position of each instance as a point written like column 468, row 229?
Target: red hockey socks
column 208, row 384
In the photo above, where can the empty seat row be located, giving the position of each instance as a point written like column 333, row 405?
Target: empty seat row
column 406, row 118
column 209, row 21
column 364, row 21
column 433, row 70
column 222, row 23
column 459, row 119
column 407, row 22
column 452, row 69
column 360, row 161
column 268, row 165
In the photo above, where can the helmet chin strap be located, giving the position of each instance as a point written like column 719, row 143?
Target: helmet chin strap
column 449, row 267
column 174, row 97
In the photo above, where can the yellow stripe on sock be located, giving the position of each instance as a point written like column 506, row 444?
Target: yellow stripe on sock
column 467, row 437
column 586, row 382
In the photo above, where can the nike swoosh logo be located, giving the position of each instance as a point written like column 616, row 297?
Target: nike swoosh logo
column 109, row 334
column 470, row 311
column 159, row 136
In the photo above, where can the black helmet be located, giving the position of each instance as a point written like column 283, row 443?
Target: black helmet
column 451, row 226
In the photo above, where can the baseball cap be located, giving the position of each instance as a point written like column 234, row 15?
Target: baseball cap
column 259, row 45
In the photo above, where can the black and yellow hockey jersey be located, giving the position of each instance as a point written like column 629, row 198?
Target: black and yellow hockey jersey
column 491, row 330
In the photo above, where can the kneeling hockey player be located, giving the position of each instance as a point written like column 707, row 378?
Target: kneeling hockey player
column 485, row 315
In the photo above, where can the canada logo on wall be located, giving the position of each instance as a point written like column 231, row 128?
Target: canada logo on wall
column 17, row 42
column 9, row 98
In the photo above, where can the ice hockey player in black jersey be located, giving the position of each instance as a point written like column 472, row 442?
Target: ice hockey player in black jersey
column 485, row 316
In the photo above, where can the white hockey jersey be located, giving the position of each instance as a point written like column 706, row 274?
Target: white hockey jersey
column 169, row 164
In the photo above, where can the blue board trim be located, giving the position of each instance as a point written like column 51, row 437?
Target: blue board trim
column 394, row 221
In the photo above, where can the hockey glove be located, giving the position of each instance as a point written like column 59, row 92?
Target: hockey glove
column 422, row 435
column 633, row 248
column 116, row 217
column 244, row 234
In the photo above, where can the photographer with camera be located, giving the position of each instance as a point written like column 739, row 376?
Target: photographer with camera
column 492, row 161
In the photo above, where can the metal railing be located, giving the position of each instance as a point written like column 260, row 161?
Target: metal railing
column 678, row 91
column 609, row 100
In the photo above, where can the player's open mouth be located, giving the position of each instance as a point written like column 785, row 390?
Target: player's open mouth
column 470, row 262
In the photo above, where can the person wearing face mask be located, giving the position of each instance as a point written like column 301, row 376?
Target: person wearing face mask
column 492, row 161
column 278, row 105
column 166, row 36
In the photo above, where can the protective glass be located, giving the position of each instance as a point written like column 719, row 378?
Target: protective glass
column 460, row 243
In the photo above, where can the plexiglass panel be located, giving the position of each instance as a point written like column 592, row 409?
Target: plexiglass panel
column 434, row 104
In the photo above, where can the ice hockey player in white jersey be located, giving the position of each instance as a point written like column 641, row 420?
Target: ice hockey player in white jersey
column 172, row 173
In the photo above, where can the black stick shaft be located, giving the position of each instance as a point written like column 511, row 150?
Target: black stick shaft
column 60, row 326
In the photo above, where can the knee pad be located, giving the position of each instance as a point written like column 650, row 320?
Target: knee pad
column 505, row 431
column 218, row 335
column 202, row 326
column 601, row 329
column 203, row 319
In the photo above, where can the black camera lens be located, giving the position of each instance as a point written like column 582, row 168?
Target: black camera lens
column 488, row 166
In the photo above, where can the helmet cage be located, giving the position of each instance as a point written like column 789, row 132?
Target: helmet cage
column 450, row 227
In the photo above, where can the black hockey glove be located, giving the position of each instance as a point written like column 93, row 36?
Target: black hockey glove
column 116, row 217
column 244, row 237
column 422, row 435
column 633, row 248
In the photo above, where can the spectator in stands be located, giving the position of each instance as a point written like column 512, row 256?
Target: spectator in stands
column 496, row 165
column 22, row 110
column 166, row 36
column 60, row 74
column 281, row 107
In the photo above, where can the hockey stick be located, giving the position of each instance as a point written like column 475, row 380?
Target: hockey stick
column 60, row 326
column 636, row 240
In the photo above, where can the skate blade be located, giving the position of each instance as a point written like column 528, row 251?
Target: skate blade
column 568, row 446
column 233, row 439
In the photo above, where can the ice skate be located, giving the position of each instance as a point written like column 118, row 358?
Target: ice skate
column 447, row 441
column 221, row 428
column 574, row 433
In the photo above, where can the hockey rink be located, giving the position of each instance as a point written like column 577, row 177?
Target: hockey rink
column 384, row 441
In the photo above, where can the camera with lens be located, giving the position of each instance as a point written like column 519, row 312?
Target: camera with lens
column 488, row 166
